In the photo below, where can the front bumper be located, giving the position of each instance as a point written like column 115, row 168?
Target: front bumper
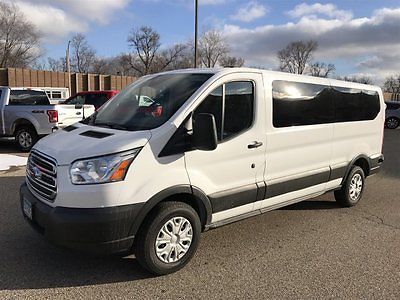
column 100, row 231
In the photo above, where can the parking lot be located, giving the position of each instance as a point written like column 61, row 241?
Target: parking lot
column 312, row 249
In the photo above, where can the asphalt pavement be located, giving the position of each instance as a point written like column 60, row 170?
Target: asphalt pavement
column 313, row 249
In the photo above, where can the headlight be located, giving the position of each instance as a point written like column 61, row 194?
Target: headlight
column 102, row 169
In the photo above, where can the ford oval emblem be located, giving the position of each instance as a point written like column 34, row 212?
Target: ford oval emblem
column 78, row 113
column 36, row 172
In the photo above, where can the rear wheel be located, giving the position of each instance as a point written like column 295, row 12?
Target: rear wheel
column 169, row 238
column 392, row 123
column 352, row 189
column 26, row 137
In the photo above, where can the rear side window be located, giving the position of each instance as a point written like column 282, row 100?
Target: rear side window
column 355, row 104
column 28, row 97
column 297, row 103
column 78, row 99
column 96, row 99
column 232, row 105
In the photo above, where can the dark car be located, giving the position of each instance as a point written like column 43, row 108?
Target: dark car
column 392, row 115
column 96, row 98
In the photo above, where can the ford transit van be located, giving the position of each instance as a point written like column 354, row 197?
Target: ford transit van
column 178, row 153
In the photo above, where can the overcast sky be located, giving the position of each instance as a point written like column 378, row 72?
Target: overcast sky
column 358, row 36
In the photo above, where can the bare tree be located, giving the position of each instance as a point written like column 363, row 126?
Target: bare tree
column 358, row 79
column 231, row 61
column 145, row 43
column 212, row 47
column 320, row 69
column 39, row 64
column 19, row 39
column 185, row 59
column 57, row 65
column 170, row 58
column 392, row 84
column 101, row 65
column 83, row 55
column 295, row 56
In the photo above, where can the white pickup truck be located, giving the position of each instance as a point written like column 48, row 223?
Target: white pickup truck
column 27, row 115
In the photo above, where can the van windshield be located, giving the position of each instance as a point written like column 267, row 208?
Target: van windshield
column 148, row 103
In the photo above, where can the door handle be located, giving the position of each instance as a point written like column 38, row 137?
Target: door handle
column 254, row 145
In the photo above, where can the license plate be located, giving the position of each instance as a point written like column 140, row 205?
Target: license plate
column 27, row 207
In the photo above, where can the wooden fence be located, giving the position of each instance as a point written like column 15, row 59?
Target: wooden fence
column 391, row 97
column 15, row 77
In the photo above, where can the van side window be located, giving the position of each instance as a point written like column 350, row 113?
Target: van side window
column 232, row 105
column 213, row 105
column 239, row 105
column 297, row 103
column 355, row 105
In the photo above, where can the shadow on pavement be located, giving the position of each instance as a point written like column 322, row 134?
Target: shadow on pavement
column 312, row 205
column 391, row 150
column 29, row 262
column 8, row 145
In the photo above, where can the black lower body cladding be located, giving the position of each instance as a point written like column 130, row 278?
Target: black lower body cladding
column 100, row 231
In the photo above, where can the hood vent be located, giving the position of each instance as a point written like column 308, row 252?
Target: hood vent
column 96, row 134
column 70, row 128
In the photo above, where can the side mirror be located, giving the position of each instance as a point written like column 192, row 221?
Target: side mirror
column 204, row 132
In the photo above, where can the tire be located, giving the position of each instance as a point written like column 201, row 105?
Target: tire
column 155, row 226
column 392, row 123
column 26, row 137
column 352, row 189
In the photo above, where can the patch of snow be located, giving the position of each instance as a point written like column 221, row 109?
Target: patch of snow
column 7, row 161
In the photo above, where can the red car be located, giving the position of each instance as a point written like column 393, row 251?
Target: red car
column 96, row 98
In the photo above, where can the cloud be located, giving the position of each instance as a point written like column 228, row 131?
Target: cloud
column 250, row 12
column 352, row 40
column 100, row 11
column 318, row 9
column 52, row 22
column 56, row 19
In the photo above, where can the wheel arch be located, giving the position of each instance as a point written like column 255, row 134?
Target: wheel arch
column 361, row 161
column 21, row 122
column 182, row 193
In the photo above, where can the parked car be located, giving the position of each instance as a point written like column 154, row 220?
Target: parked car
column 222, row 146
column 95, row 98
column 392, row 115
column 27, row 114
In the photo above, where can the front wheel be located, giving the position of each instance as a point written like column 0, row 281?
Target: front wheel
column 352, row 189
column 26, row 137
column 169, row 238
column 392, row 123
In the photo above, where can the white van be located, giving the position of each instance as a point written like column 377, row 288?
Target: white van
column 213, row 147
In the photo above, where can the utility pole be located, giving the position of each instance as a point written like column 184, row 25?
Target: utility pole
column 68, row 69
column 196, row 3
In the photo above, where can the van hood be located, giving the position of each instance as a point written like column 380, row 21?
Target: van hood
column 81, row 141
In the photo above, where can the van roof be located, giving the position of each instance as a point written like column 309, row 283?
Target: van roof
column 226, row 71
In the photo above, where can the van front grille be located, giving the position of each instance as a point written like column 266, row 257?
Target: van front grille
column 41, row 176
